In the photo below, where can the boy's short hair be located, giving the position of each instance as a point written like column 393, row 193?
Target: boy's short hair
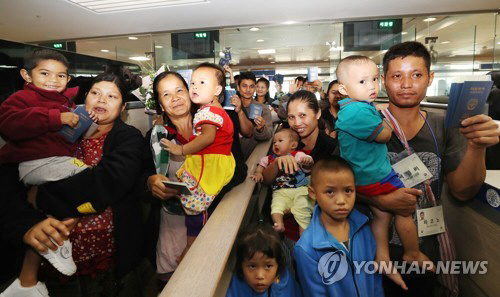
column 405, row 49
column 341, row 70
column 292, row 133
column 32, row 59
column 219, row 73
column 255, row 238
column 246, row 75
column 330, row 164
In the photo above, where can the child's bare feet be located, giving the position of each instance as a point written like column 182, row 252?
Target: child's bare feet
column 279, row 226
column 421, row 258
column 387, row 268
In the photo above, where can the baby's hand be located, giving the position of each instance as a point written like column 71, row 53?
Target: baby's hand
column 257, row 177
column 69, row 118
column 171, row 147
column 306, row 161
column 279, row 227
column 93, row 116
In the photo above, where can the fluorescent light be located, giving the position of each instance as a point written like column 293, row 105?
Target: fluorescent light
column 272, row 62
column 404, row 33
column 289, row 23
column 254, row 29
column 445, row 42
column 103, row 6
column 132, row 38
column 429, row 19
column 140, row 58
column 7, row 66
column 105, row 51
column 266, row 51
column 158, row 46
column 260, row 40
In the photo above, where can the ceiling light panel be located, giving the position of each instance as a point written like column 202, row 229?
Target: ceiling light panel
column 103, row 6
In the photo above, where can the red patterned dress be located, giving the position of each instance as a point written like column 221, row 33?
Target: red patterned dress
column 92, row 237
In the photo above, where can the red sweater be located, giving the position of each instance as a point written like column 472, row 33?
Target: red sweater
column 29, row 122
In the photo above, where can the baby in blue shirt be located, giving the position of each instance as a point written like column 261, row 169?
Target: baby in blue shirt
column 362, row 136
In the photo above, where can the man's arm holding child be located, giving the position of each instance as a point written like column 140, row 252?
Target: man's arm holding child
column 402, row 201
column 385, row 135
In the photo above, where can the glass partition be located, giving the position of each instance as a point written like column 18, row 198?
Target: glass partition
column 462, row 44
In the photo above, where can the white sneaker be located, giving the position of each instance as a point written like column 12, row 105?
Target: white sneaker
column 62, row 259
column 16, row 290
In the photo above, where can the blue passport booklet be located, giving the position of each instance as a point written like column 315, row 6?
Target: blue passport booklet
column 73, row 134
column 279, row 78
column 466, row 99
column 223, row 62
column 255, row 111
column 228, row 94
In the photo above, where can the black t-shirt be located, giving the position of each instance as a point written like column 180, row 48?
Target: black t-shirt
column 325, row 146
column 441, row 150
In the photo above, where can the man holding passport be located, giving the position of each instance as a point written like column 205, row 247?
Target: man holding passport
column 455, row 154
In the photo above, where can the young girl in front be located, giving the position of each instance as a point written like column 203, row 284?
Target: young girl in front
column 260, row 265
column 209, row 164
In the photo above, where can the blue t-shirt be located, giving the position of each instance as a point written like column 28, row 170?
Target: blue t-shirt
column 357, row 126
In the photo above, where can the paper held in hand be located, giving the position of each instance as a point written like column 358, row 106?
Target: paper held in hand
column 181, row 187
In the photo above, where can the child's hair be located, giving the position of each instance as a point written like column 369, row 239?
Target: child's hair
column 219, row 74
column 409, row 48
column 255, row 238
column 330, row 164
column 292, row 133
column 341, row 70
column 32, row 59
column 246, row 75
column 306, row 97
column 117, row 80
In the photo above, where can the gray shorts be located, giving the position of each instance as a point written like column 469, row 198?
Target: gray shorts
column 37, row 172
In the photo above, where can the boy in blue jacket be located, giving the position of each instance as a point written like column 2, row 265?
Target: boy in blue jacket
column 337, row 237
